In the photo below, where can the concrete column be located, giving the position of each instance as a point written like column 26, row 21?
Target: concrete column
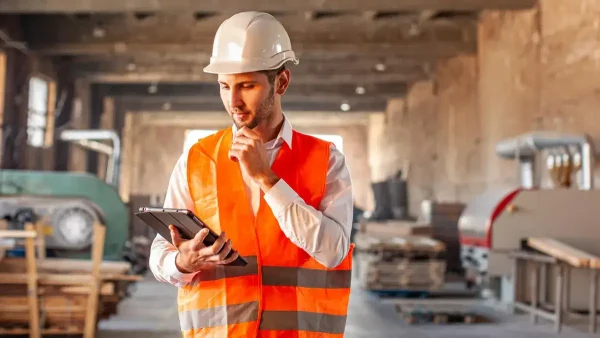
column 459, row 170
column 80, row 119
column 107, row 121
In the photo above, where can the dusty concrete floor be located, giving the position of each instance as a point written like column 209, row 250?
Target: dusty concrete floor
column 151, row 312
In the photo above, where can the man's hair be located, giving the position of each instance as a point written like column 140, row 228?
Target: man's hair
column 272, row 74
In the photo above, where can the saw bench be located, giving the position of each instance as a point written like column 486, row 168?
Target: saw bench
column 531, row 267
column 46, row 296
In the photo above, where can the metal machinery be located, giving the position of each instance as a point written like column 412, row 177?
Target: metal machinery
column 501, row 218
column 71, row 202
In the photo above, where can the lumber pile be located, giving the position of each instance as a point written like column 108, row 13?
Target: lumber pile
column 63, row 288
column 400, row 263
column 395, row 228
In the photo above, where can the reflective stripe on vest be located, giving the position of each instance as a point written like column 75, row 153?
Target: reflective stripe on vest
column 282, row 291
column 271, row 320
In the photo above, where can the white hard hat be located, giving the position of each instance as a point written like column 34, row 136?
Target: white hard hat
column 249, row 42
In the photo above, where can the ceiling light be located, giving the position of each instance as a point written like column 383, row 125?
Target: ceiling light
column 153, row 88
column 414, row 29
column 360, row 90
column 167, row 106
column 98, row 32
column 131, row 66
column 345, row 107
column 380, row 67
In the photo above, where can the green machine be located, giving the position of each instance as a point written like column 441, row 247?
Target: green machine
column 71, row 202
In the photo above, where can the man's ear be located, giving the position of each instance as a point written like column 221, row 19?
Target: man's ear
column 282, row 81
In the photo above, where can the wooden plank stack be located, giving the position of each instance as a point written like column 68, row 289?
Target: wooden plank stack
column 400, row 263
column 43, row 296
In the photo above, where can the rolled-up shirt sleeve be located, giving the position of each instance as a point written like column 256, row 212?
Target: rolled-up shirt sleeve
column 162, row 252
column 324, row 233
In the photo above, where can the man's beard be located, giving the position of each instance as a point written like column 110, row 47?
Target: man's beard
column 264, row 111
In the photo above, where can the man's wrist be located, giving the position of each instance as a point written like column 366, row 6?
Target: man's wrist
column 179, row 266
column 267, row 181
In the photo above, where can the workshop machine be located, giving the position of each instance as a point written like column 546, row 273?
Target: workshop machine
column 71, row 202
column 501, row 218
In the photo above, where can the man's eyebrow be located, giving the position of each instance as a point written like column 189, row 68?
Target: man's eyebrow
column 239, row 83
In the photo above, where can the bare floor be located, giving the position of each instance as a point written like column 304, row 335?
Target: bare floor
column 151, row 312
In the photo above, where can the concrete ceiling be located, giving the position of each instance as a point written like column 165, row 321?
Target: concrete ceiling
column 381, row 46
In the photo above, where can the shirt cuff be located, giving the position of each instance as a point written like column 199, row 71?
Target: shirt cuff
column 280, row 197
column 173, row 272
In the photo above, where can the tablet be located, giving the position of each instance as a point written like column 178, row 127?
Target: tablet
column 185, row 221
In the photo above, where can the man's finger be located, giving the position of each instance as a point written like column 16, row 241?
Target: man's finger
column 199, row 239
column 240, row 146
column 248, row 133
column 234, row 154
column 215, row 248
column 243, row 139
column 233, row 257
column 175, row 236
column 225, row 251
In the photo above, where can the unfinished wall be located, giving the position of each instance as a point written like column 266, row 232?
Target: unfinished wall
column 148, row 159
column 535, row 70
column 509, row 87
column 407, row 134
column 570, row 68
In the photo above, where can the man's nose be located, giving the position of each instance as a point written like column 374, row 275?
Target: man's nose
column 235, row 98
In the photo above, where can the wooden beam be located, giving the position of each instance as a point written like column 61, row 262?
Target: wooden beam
column 58, row 35
column 298, row 90
column 207, row 105
column 298, row 119
column 331, row 79
column 417, row 49
column 196, row 62
column 117, row 6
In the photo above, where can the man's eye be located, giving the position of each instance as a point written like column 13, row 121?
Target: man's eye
column 248, row 86
column 224, row 87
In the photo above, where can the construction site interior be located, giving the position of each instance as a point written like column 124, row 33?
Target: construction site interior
column 470, row 128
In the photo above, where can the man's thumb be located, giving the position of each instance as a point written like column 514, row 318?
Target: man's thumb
column 175, row 235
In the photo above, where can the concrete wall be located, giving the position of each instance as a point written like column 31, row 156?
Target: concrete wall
column 534, row 70
column 153, row 142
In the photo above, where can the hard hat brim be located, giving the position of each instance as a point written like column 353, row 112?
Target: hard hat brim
column 246, row 66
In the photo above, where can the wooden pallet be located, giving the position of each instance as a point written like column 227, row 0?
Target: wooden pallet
column 437, row 313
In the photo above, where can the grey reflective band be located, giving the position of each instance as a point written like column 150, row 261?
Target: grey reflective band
column 221, row 272
column 218, row 316
column 302, row 321
column 281, row 275
column 308, row 278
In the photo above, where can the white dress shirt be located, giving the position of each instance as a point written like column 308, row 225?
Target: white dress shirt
column 324, row 234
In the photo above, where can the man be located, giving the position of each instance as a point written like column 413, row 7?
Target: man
column 279, row 198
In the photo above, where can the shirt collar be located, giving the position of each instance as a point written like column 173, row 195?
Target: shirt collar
column 285, row 134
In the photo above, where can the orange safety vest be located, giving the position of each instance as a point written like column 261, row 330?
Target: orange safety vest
column 282, row 292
